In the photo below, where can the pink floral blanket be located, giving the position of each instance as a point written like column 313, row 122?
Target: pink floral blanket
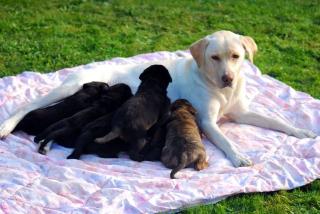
column 34, row 183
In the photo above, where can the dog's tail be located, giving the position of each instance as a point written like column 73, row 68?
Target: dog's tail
column 108, row 137
column 182, row 163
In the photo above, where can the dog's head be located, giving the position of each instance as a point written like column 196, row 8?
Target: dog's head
column 118, row 92
column 120, row 89
column 158, row 73
column 183, row 104
column 219, row 56
column 95, row 87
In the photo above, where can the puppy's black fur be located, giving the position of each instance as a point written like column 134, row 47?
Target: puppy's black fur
column 38, row 120
column 136, row 116
column 157, row 137
column 97, row 128
column 65, row 131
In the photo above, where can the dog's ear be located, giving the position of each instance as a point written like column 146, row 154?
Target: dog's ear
column 250, row 46
column 89, row 85
column 166, row 75
column 104, row 87
column 146, row 73
column 197, row 50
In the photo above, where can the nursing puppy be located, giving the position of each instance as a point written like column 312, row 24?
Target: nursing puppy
column 183, row 144
column 156, row 137
column 97, row 128
column 136, row 116
column 37, row 120
column 65, row 131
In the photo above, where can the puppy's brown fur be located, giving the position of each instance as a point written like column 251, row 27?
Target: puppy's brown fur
column 183, row 141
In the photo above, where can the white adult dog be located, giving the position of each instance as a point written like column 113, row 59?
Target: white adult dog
column 211, row 80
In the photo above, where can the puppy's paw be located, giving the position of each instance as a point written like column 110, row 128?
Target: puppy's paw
column 44, row 149
column 73, row 156
column 136, row 157
column 239, row 160
column 99, row 140
column 7, row 127
column 303, row 133
column 37, row 139
column 201, row 165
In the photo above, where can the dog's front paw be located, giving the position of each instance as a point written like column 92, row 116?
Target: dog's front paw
column 303, row 133
column 7, row 127
column 239, row 160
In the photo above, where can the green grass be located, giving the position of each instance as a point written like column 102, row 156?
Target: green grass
column 46, row 36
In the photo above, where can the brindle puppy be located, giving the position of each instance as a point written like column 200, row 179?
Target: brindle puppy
column 183, row 144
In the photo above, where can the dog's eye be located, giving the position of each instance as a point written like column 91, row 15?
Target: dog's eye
column 215, row 57
column 235, row 56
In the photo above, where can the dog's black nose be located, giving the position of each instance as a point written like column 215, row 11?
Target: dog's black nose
column 227, row 80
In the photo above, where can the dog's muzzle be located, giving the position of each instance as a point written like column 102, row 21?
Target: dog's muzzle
column 227, row 80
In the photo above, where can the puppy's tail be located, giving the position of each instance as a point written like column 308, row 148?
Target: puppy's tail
column 108, row 137
column 181, row 164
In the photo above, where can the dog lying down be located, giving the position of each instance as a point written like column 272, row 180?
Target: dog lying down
column 183, row 145
column 65, row 131
column 137, row 115
column 38, row 120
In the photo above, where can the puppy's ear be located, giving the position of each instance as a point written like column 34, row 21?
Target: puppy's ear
column 197, row 50
column 144, row 75
column 250, row 46
column 90, row 85
column 104, row 87
column 166, row 75
column 192, row 110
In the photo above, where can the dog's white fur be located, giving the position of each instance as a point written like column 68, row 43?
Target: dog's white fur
column 197, row 79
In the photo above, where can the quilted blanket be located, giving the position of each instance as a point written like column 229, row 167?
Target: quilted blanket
column 34, row 183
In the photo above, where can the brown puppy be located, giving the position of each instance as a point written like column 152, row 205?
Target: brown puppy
column 183, row 144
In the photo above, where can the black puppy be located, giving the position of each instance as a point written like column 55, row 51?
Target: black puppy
column 38, row 120
column 157, row 137
column 85, row 142
column 97, row 128
column 65, row 131
column 136, row 116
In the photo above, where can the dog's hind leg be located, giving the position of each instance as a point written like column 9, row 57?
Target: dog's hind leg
column 47, row 132
column 108, row 137
column 44, row 146
column 136, row 149
column 182, row 164
column 54, row 136
column 80, row 144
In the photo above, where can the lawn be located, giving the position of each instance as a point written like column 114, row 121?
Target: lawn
column 45, row 36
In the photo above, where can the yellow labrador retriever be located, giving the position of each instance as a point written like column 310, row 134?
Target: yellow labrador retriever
column 211, row 80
